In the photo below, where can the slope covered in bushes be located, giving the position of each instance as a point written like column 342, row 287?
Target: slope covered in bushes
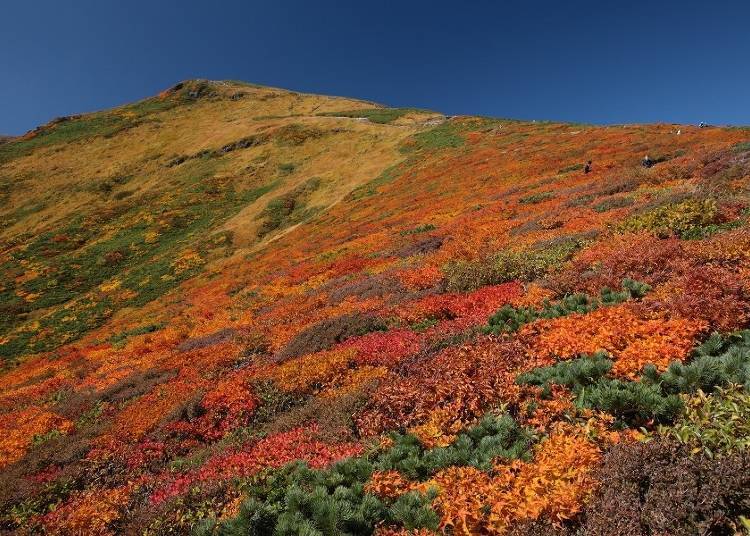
column 231, row 309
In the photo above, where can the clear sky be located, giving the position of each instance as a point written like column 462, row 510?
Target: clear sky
column 589, row 61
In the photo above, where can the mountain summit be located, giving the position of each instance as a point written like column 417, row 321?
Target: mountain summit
column 237, row 309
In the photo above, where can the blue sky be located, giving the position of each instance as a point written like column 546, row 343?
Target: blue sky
column 598, row 62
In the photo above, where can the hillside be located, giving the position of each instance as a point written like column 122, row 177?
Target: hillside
column 233, row 309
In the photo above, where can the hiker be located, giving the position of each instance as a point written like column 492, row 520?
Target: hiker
column 647, row 162
column 587, row 167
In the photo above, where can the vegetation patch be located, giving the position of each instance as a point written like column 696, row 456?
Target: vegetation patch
column 509, row 319
column 377, row 115
column 288, row 209
column 507, row 266
column 297, row 499
column 685, row 219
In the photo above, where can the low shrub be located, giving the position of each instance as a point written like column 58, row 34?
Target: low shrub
column 613, row 203
column 288, row 209
column 715, row 424
column 658, row 488
column 575, row 374
column 719, row 361
column 492, row 438
column 506, row 266
column 533, row 199
column 376, row 115
column 508, row 319
column 327, row 333
column 299, row 500
column 679, row 219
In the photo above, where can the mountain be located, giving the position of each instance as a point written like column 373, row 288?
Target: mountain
column 238, row 308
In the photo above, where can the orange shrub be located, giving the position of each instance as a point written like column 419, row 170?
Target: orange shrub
column 632, row 341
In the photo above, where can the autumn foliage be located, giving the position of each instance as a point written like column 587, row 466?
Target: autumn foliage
column 296, row 288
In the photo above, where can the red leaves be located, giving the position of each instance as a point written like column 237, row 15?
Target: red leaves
column 273, row 451
column 385, row 348
column 475, row 306
column 462, row 380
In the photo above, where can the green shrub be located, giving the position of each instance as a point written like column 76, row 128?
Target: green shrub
column 536, row 198
column 444, row 136
column 613, row 203
column 493, row 437
column 631, row 402
column 330, row 502
column 286, row 167
column 288, row 209
column 680, row 219
column 568, row 169
column 714, row 424
column 119, row 340
column 371, row 187
column 718, row 362
column 427, row 227
column 506, row 266
column 509, row 319
column 576, row 374
column 376, row 115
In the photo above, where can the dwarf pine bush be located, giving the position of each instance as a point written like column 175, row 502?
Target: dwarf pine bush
column 509, row 319
column 493, row 437
column 575, row 374
column 718, row 362
column 297, row 500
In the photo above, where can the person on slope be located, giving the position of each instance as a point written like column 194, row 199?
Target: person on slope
column 587, row 167
column 647, row 162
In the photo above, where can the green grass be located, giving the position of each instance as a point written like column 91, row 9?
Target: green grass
column 68, row 131
column 370, row 188
column 427, row 227
column 376, row 115
column 119, row 340
column 288, row 209
column 568, row 169
column 536, row 198
column 444, row 136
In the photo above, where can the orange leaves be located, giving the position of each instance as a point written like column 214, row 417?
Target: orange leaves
column 631, row 340
column 312, row 371
column 440, row 429
column 420, row 278
column 388, row 484
column 553, row 486
column 18, row 430
column 462, row 381
column 89, row 512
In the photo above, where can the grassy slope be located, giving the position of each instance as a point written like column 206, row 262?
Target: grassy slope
column 151, row 282
column 105, row 188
